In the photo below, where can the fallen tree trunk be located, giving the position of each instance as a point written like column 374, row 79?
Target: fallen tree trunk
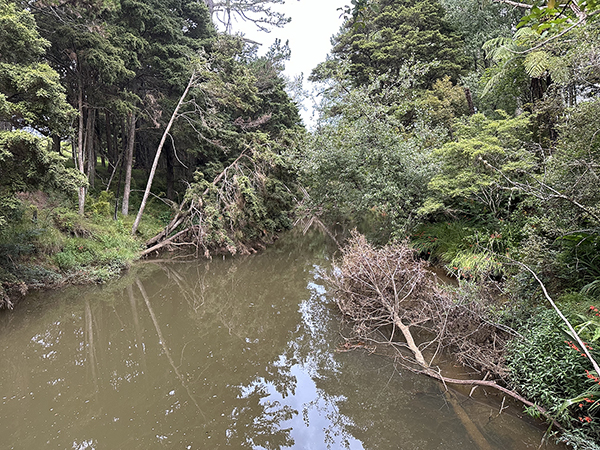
column 389, row 287
column 164, row 243
column 190, row 84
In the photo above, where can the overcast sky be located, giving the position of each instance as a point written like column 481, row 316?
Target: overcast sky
column 313, row 23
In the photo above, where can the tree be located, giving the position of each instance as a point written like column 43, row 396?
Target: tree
column 168, row 35
column 394, row 33
column 31, row 94
column 191, row 83
column 32, row 102
column 257, row 12
column 235, row 125
column 85, row 50
column 553, row 45
column 127, row 59
column 362, row 162
column 465, row 182
column 478, row 22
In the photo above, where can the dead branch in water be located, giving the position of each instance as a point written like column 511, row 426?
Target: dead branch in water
column 389, row 289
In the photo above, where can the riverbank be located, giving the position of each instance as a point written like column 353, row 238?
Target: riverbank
column 50, row 245
column 47, row 245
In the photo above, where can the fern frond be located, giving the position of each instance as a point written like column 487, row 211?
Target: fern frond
column 537, row 63
column 491, row 83
column 526, row 33
column 498, row 48
column 559, row 70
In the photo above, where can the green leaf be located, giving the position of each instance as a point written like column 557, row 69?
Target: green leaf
column 537, row 63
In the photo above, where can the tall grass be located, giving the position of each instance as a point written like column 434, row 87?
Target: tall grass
column 465, row 249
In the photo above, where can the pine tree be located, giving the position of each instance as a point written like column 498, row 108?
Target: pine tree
column 31, row 98
column 390, row 34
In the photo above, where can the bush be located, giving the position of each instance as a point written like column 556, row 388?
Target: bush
column 547, row 366
column 468, row 250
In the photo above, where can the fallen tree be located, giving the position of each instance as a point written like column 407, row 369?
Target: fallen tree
column 240, row 209
column 389, row 292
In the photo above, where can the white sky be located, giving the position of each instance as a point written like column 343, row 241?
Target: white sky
column 313, row 23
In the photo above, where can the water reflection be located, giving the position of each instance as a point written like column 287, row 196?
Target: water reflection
column 233, row 353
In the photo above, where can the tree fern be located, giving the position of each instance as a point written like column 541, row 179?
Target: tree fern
column 537, row 63
column 499, row 48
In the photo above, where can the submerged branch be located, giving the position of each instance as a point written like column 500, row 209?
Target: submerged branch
column 493, row 385
column 389, row 288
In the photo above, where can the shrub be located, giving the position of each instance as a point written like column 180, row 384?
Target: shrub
column 468, row 250
column 547, row 366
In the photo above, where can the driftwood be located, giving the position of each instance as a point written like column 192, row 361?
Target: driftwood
column 389, row 290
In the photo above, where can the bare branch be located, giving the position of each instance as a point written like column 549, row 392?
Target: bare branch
column 554, row 193
column 562, row 316
column 511, row 3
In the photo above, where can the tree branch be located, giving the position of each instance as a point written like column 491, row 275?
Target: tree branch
column 530, row 190
column 494, row 385
column 511, row 3
column 562, row 316
column 163, row 243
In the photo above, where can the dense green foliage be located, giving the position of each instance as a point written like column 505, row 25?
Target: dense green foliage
column 361, row 163
column 485, row 156
column 101, row 80
column 32, row 97
column 394, row 33
column 472, row 167
column 548, row 352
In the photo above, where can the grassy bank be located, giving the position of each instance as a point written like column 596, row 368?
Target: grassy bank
column 47, row 244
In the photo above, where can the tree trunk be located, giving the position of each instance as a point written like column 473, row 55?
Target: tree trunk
column 110, row 151
column 170, row 173
column 81, row 192
column 89, row 146
column 469, row 98
column 158, row 151
column 112, row 175
column 74, row 153
column 128, row 164
column 56, row 143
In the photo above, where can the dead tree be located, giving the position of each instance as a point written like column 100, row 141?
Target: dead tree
column 385, row 290
column 192, row 81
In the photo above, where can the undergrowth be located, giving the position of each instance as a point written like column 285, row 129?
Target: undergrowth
column 468, row 250
column 549, row 368
column 46, row 244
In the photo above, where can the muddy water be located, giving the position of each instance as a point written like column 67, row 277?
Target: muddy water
column 236, row 353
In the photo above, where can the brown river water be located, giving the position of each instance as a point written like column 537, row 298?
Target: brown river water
column 232, row 353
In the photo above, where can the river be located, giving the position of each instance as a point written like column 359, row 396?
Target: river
column 237, row 352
